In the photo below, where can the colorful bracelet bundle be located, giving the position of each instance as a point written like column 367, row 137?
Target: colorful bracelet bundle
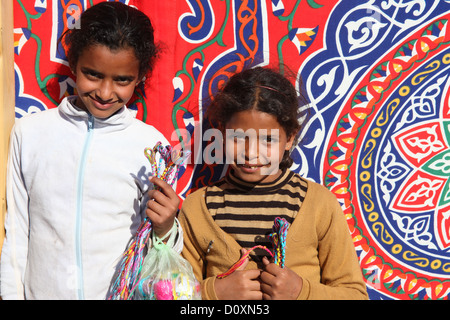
column 278, row 239
column 165, row 165
column 165, row 161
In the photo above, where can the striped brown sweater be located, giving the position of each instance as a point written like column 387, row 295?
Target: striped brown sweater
column 319, row 247
column 247, row 211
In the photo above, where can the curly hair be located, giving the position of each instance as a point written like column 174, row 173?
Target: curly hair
column 116, row 26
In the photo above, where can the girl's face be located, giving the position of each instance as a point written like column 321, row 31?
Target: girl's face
column 105, row 79
column 255, row 145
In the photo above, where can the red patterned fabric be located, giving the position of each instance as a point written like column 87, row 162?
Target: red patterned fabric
column 376, row 74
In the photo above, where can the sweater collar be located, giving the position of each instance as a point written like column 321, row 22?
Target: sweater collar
column 279, row 182
column 118, row 121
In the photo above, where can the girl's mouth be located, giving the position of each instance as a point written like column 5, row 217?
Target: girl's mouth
column 250, row 167
column 102, row 105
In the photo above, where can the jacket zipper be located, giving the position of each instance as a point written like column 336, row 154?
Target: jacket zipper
column 79, row 213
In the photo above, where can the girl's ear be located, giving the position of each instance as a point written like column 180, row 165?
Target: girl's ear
column 142, row 79
column 290, row 142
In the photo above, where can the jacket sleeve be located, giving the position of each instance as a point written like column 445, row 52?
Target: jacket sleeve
column 15, row 247
column 341, row 276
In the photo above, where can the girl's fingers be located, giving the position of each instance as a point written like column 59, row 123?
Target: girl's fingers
column 164, row 199
column 164, row 187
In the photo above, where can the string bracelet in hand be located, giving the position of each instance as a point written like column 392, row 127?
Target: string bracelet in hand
column 165, row 163
column 235, row 266
column 278, row 239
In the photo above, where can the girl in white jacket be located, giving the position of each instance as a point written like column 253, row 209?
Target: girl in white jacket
column 78, row 181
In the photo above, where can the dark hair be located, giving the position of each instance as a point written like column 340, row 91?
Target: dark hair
column 262, row 89
column 114, row 25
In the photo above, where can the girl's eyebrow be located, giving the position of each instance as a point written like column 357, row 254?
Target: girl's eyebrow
column 121, row 77
column 89, row 70
column 125, row 78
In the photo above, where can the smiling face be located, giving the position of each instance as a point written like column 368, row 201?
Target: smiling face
column 255, row 145
column 105, row 79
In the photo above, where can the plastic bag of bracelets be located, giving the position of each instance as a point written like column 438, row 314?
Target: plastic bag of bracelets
column 165, row 275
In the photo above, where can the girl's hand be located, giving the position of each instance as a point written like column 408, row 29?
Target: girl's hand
column 162, row 206
column 279, row 283
column 240, row 285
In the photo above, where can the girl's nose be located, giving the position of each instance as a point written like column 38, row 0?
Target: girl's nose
column 251, row 150
column 105, row 91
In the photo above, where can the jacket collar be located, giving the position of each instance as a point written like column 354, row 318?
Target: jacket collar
column 80, row 118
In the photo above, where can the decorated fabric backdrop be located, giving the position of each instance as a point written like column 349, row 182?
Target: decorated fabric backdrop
column 377, row 77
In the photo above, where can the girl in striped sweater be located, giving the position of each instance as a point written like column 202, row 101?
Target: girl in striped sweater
column 257, row 112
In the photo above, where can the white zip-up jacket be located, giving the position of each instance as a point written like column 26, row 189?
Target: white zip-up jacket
column 76, row 192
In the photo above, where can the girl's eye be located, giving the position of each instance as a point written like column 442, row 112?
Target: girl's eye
column 269, row 139
column 123, row 81
column 92, row 75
